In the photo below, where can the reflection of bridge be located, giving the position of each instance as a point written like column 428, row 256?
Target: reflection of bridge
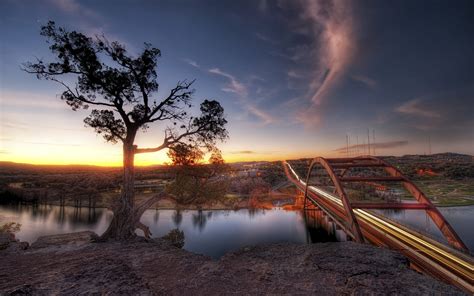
column 451, row 263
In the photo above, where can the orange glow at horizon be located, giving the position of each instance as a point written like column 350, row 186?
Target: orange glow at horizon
column 103, row 154
column 51, row 134
column 115, row 160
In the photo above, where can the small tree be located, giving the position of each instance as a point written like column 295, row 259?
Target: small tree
column 185, row 155
column 195, row 182
column 122, row 89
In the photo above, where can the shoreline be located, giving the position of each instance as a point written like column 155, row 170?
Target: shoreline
column 195, row 208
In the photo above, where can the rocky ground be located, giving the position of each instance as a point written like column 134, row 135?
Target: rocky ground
column 71, row 264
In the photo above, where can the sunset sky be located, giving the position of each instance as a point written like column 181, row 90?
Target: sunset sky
column 294, row 77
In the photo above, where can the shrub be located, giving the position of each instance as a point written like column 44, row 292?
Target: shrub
column 175, row 237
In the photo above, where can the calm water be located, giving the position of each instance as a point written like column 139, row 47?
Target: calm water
column 206, row 232
column 460, row 218
column 216, row 232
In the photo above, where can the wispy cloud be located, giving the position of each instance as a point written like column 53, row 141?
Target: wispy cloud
column 9, row 122
column 256, row 78
column 234, row 86
column 243, row 152
column 51, row 144
column 89, row 21
column 241, row 90
column 31, row 100
column 192, row 63
column 279, row 54
column 332, row 24
column 70, row 6
column 378, row 145
column 294, row 74
column 310, row 117
column 42, row 143
column 252, row 152
column 75, row 8
column 416, row 107
column 8, row 125
column 265, row 38
column 365, row 80
column 328, row 27
column 265, row 117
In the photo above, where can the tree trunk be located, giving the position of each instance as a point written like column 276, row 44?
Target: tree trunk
column 127, row 214
column 123, row 224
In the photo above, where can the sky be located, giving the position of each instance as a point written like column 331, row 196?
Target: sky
column 297, row 78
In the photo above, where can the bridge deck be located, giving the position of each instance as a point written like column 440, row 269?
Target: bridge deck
column 426, row 254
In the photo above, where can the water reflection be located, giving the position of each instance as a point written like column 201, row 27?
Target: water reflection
column 216, row 232
column 78, row 216
column 211, row 233
column 321, row 228
column 39, row 220
column 200, row 219
column 460, row 218
column 177, row 218
column 156, row 217
column 254, row 212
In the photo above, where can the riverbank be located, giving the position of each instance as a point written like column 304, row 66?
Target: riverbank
column 72, row 264
column 227, row 202
column 285, row 198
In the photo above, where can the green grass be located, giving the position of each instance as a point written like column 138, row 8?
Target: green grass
column 452, row 202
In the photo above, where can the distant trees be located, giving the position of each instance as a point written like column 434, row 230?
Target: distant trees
column 460, row 171
column 122, row 89
column 250, row 185
column 195, row 182
column 273, row 173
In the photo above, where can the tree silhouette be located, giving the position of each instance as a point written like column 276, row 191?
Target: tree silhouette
column 122, row 89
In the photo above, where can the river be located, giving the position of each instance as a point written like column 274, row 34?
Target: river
column 216, row 232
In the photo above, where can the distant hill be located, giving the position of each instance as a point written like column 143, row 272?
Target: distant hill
column 9, row 166
column 446, row 156
column 438, row 157
column 14, row 167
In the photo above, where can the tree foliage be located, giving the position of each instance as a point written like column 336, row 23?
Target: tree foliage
column 185, row 155
column 122, row 90
column 10, row 227
column 197, row 183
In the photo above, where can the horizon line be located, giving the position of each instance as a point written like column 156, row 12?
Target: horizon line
column 229, row 162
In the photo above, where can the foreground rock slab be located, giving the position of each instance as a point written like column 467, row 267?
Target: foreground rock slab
column 61, row 265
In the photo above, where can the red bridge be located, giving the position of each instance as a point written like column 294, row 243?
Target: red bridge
column 452, row 263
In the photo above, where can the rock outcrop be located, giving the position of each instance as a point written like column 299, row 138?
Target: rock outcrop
column 66, row 266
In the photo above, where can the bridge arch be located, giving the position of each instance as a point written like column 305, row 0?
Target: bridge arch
column 394, row 175
column 352, row 221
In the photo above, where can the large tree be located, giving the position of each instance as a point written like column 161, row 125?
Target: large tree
column 123, row 91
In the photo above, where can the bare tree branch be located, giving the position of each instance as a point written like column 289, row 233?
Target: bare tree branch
column 168, row 142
